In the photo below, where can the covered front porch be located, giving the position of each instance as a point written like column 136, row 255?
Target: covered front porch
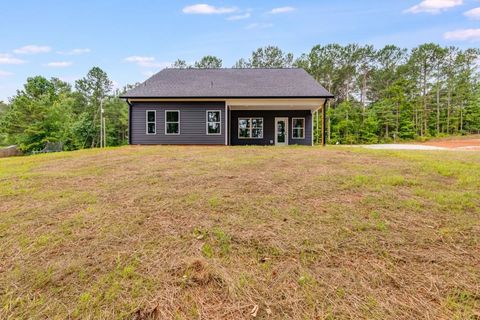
column 275, row 122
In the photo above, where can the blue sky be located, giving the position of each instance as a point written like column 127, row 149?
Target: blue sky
column 130, row 40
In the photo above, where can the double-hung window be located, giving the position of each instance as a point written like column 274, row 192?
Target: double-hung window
column 151, row 122
column 250, row 128
column 214, row 122
column 172, row 122
column 298, row 128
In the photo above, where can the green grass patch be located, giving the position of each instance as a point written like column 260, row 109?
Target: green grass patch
column 193, row 232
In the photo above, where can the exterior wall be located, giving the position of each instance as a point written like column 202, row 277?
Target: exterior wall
column 269, row 126
column 193, row 123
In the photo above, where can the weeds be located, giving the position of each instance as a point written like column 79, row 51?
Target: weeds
column 178, row 232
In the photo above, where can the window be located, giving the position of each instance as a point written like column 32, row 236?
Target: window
column 250, row 128
column 151, row 122
column 172, row 122
column 214, row 122
column 298, row 128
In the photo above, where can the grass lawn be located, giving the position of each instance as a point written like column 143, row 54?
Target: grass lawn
column 173, row 232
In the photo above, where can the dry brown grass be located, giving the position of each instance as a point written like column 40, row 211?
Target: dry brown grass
column 241, row 232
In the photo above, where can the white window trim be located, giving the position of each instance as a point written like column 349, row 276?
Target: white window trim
column 147, row 122
column 293, row 128
column 251, row 127
column 220, row 122
column 172, row 134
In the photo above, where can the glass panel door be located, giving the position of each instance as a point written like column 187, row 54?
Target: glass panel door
column 281, row 131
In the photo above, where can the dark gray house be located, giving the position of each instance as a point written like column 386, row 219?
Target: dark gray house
column 226, row 107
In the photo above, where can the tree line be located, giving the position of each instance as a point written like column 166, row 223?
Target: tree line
column 394, row 94
column 381, row 95
column 52, row 111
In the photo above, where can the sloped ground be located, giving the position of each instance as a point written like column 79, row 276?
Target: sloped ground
column 240, row 232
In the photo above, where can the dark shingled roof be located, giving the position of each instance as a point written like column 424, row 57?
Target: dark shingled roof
column 229, row 83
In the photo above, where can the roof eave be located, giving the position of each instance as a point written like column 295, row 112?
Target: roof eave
column 229, row 97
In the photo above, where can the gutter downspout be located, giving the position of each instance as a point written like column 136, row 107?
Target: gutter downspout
column 324, row 127
column 129, row 121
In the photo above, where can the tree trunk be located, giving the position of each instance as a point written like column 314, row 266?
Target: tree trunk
column 347, row 93
column 438, row 109
column 461, row 117
column 449, row 98
column 424, row 125
column 363, row 95
column 346, row 129
column 415, row 119
column 397, row 123
column 329, row 132
column 94, row 131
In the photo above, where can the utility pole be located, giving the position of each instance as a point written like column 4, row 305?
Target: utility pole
column 101, row 122
column 104, row 132
column 103, row 129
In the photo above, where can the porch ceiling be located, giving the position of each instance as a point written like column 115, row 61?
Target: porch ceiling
column 280, row 104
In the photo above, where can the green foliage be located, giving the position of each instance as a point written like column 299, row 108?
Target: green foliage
column 388, row 95
column 180, row 64
column 381, row 95
column 3, row 110
column 267, row 57
column 50, row 111
column 207, row 250
column 33, row 116
column 209, row 62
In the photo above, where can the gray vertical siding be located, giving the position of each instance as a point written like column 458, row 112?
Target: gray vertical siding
column 192, row 123
column 269, row 126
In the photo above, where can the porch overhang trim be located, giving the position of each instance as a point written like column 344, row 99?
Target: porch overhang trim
column 312, row 104
column 276, row 104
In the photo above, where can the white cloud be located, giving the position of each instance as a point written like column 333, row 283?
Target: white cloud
column 281, row 10
column 149, row 62
column 59, row 64
column 463, row 35
column 202, row 8
column 434, row 6
column 258, row 26
column 4, row 74
column 32, row 49
column 473, row 14
column 75, row 52
column 6, row 58
column 240, row 17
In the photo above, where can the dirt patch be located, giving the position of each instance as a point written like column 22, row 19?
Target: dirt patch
column 10, row 151
column 466, row 143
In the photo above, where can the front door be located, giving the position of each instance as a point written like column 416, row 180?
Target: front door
column 281, row 131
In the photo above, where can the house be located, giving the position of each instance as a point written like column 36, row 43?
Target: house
column 227, row 107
